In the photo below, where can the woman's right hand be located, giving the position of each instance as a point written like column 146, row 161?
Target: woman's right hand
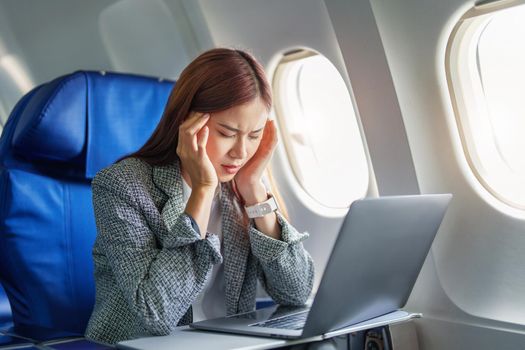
column 191, row 149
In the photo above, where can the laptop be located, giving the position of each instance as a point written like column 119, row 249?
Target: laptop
column 372, row 269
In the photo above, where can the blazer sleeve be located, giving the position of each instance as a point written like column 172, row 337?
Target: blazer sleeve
column 286, row 270
column 158, row 283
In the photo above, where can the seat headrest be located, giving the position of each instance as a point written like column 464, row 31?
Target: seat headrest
column 89, row 119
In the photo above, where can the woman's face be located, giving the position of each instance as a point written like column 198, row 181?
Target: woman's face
column 235, row 135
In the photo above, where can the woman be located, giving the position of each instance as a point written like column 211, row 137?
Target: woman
column 173, row 218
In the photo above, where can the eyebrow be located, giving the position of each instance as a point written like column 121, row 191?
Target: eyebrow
column 237, row 130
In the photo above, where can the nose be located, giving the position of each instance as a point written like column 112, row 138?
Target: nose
column 239, row 151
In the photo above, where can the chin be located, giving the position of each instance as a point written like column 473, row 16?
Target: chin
column 226, row 178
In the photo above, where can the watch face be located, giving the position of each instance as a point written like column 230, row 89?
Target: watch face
column 265, row 208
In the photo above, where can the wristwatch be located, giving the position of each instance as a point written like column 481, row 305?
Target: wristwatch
column 261, row 209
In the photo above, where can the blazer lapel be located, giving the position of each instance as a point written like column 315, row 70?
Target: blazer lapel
column 236, row 246
column 168, row 179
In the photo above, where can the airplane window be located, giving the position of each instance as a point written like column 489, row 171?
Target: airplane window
column 487, row 75
column 319, row 130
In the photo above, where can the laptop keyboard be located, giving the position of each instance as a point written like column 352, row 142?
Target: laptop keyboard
column 294, row 321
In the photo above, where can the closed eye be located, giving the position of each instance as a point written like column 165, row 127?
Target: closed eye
column 227, row 136
column 251, row 137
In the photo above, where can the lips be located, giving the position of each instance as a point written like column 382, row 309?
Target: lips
column 231, row 169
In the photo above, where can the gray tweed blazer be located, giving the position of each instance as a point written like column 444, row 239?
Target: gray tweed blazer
column 150, row 263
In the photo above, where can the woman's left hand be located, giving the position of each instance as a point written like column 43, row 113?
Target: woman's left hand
column 249, row 178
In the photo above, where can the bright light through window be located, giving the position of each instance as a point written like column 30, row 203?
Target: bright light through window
column 320, row 131
column 487, row 72
column 501, row 52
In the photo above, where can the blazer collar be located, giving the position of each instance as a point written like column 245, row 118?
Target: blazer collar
column 168, row 178
column 236, row 246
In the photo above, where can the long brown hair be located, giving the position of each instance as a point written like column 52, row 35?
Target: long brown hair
column 216, row 80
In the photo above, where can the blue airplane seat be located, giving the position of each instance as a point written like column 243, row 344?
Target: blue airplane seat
column 56, row 139
column 6, row 319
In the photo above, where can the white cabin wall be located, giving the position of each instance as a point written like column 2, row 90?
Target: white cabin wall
column 15, row 80
column 472, row 284
column 57, row 36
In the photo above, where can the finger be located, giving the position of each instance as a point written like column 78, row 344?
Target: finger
column 203, row 140
column 192, row 118
column 275, row 138
column 189, row 118
column 197, row 124
column 197, row 131
column 187, row 134
column 267, row 139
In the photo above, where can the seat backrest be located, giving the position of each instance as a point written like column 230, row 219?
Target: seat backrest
column 56, row 139
column 6, row 319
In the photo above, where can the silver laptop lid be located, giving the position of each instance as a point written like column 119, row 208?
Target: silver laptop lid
column 376, row 259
